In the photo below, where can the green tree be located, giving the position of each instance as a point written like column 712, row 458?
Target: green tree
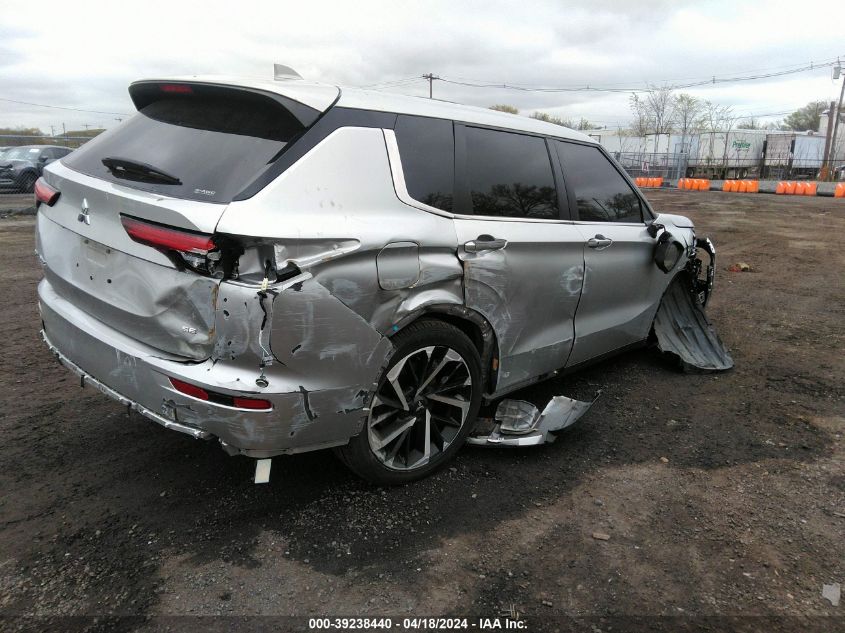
column 503, row 107
column 806, row 118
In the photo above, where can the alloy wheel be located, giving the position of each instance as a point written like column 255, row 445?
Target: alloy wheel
column 420, row 407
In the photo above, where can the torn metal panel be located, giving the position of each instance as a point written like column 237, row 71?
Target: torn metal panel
column 244, row 320
column 520, row 423
column 304, row 253
column 314, row 335
column 683, row 330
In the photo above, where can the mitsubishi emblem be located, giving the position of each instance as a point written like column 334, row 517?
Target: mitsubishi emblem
column 83, row 212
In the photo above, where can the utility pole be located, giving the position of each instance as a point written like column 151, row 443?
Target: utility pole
column 431, row 79
column 828, row 133
column 837, row 73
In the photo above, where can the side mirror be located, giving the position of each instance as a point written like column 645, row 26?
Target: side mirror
column 42, row 159
column 667, row 252
column 654, row 228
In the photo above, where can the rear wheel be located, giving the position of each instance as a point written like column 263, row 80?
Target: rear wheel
column 423, row 408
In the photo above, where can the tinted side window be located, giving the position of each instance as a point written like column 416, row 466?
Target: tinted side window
column 601, row 193
column 427, row 149
column 509, row 175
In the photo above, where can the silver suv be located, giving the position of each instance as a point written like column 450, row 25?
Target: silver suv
column 286, row 266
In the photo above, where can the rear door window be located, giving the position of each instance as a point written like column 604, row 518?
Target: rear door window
column 601, row 193
column 509, row 175
column 213, row 146
column 427, row 150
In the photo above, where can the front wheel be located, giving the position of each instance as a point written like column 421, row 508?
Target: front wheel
column 423, row 408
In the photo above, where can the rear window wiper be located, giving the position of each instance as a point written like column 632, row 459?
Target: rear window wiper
column 135, row 170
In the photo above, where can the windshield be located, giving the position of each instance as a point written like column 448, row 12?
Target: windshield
column 209, row 147
column 21, row 153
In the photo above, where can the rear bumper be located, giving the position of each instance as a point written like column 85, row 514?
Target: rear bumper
column 137, row 376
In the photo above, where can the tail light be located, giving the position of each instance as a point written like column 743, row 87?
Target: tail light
column 254, row 404
column 194, row 249
column 45, row 194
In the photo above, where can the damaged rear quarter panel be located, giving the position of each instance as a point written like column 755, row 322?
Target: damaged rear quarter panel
column 329, row 332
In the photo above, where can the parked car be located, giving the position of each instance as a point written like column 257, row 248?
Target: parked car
column 20, row 167
column 287, row 267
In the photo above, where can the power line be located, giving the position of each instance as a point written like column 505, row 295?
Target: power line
column 713, row 80
column 55, row 107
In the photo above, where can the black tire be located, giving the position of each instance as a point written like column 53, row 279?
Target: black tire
column 413, row 340
column 28, row 183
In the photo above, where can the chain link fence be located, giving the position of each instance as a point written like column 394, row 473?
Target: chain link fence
column 672, row 166
column 24, row 156
column 21, row 140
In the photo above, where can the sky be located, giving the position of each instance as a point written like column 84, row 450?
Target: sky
column 83, row 55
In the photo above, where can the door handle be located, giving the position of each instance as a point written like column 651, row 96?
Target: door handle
column 484, row 243
column 599, row 242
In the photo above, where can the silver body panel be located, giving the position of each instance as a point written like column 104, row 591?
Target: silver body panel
column 370, row 260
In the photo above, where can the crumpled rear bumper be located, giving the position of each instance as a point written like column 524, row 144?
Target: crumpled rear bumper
column 137, row 376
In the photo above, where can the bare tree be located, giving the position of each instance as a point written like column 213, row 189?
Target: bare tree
column 661, row 105
column 641, row 123
column 585, row 125
column 550, row 118
column 688, row 116
column 749, row 123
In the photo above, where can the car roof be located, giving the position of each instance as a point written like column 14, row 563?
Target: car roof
column 322, row 96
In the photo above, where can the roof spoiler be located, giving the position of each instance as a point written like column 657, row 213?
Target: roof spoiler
column 147, row 91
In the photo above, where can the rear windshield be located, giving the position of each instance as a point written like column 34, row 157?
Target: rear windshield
column 213, row 146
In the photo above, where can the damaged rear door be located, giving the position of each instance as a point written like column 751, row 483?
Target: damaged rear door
column 523, row 261
column 130, row 239
column 622, row 285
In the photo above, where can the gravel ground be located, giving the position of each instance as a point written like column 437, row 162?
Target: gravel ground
column 722, row 496
column 16, row 204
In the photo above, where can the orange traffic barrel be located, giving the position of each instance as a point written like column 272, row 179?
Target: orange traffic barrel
column 726, row 186
column 734, row 186
column 810, row 189
column 799, row 188
column 704, row 185
column 753, row 186
column 790, row 187
column 742, row 186
column 839, row 192
column 780, row 188
column 681, row 183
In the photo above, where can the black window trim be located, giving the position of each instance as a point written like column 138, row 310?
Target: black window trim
column 462, row 205
column 648, row 214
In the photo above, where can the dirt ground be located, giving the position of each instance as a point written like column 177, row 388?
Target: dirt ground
column 723, row 496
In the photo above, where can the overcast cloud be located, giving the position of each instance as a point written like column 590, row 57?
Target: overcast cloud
column 84, row 54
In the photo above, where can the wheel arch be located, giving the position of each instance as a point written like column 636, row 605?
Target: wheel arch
column 471, row 323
